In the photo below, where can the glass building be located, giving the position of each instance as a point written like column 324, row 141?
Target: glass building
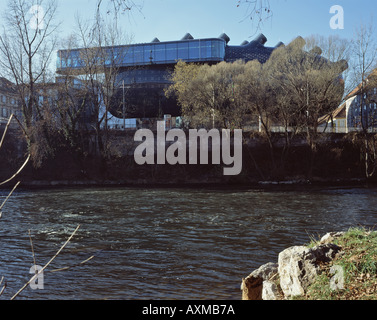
column 143, row 70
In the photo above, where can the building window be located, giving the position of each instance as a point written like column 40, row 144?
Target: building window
column 183, row 51
column 171, row 52
column 193, row 50
column 208, row 49
column 148, row 54
column 160, row 52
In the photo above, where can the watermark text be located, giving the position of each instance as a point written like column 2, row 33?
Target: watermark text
column 153, row 150
column 36, row 21
column 337, row 20
column 37, row 282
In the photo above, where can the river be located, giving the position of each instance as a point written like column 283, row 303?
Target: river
column 163, row 243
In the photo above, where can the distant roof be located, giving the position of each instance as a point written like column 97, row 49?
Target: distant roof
column 355, row 91
column 247, row 51
column 338, row 112
column 7, row 86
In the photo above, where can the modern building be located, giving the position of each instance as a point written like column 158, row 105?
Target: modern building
column 143, row 70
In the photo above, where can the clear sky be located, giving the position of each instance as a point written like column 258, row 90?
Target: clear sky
column 170, row 19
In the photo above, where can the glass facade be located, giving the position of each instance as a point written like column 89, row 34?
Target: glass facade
column 205, row 50
column 143, row 75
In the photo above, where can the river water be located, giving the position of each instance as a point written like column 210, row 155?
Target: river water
column 163, row 243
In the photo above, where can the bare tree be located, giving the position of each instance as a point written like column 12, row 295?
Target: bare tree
column 333, row 48
column 306, row 87
column 26, row 47
column 92, row 57
column 118, row 7
column 254, row 92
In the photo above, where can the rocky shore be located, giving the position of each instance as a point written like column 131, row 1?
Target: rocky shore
column 296, row 269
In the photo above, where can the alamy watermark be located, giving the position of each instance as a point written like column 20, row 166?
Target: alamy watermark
column 176, row 153
column 37, row 281
column 36, row 21
column 337, row 20
column 337, row 281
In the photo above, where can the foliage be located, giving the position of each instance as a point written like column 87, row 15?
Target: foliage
column 206, row 93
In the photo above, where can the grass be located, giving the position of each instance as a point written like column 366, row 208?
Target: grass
column 356, row 266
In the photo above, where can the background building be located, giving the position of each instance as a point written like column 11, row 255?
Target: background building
column 9, row 101
column 359, row 110
column 143, row 70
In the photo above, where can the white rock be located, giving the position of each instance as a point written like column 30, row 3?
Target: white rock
column 298, row 266
column 329, row 237
column 270, row 291
column 252, row 286
column 293, row 274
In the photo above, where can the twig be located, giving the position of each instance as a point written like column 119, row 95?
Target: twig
column 6, row 199
column 46, row 265
column 18, row 172
column 2, row 141
column 3, row 288
column 6, row 129
column 70, row 267
column 21, row 126
column 1, row 144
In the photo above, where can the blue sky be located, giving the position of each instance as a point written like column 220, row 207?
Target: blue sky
column 171, row 19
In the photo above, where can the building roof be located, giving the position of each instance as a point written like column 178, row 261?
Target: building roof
column 372, row 76
column 247, row 51
column 341, row 110
column 7, row 86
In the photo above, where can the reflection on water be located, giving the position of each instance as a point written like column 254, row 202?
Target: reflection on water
column 164, row 243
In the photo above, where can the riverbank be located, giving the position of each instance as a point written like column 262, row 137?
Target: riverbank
column 339, row 266
column 293, row 185
column 337, row 162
